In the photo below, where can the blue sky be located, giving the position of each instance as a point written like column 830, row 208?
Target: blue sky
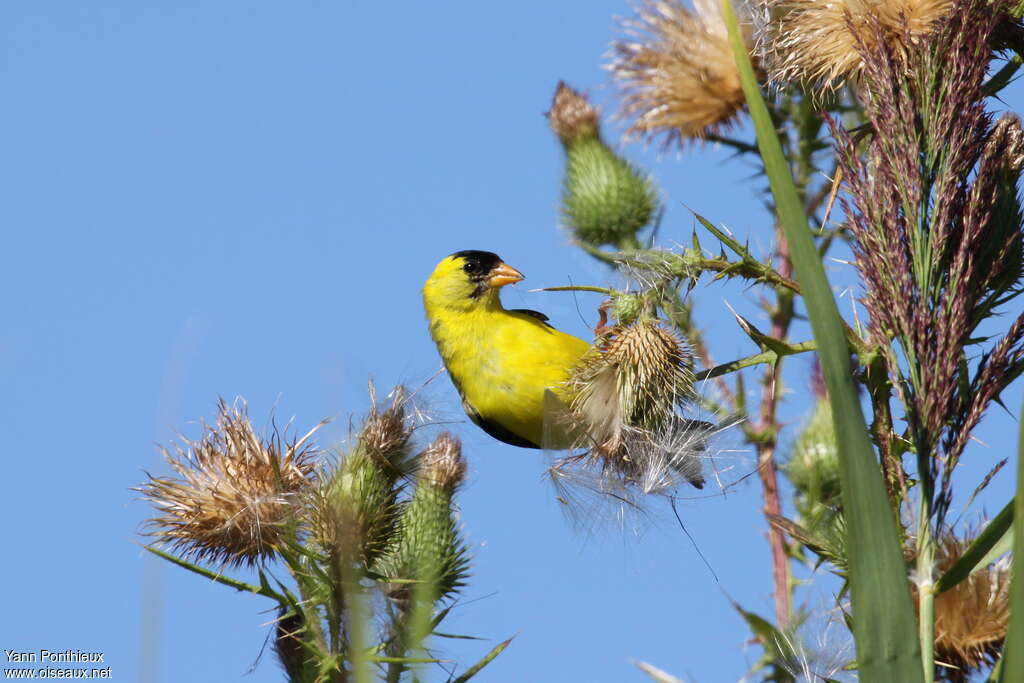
column 206, row 199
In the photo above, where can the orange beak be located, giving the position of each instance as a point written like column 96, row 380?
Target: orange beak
column 504, row 274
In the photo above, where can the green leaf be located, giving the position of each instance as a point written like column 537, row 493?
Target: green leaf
column 264, row 590
column 884, row 625
column 725, row 238
column 484, row 661
column 764, row 341
column 775, row 643
column 1012, row 664
column 993, row 541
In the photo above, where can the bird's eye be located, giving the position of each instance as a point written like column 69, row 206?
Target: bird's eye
column 471, row 267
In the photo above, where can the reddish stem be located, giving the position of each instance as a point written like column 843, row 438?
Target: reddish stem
column 768, row 427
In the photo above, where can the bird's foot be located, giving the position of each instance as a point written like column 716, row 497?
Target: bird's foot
column 602, row 328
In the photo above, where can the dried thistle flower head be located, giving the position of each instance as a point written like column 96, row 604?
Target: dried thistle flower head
column 572, row 116
column 234, row 494
column 385, row 434
column 971, row 618
column 442, row 464
column 623, row 410
column 675, row 71
column 816, row 41
column 636, row 378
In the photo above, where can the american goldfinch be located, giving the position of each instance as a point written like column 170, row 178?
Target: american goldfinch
column 501, row 361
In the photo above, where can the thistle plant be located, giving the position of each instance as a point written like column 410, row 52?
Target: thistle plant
column 874, row 133
column 359, row 551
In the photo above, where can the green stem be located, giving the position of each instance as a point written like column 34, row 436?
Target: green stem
column 925, row 569
column 1001, row 78
column 220, row 578
column 757, row 359
column 607, row 257
column 751, row 270
column 576, row 288
column 738, row 145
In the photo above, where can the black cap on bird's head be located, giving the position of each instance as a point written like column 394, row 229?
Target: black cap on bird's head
column 486, row 269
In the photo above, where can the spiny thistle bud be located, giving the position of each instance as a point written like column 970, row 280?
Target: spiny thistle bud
column 427, row 548
column 355, row 509
column 971, row 618
column 626, row 307
column 233, row 498
column 816, row 41
column 605, row 200
column 675, row 71
column 813, row 469
column 813, row 466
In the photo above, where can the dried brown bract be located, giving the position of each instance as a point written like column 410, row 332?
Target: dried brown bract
column 234, row 492
column 572, row 116
column 442, row 464
column 385, row 434
column 675, row 71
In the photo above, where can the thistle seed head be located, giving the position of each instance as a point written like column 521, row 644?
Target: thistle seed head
column 625, row 398
column 675, row 71
column 816, row 41
column 637, row 377
column 971, row 618
column 235, row 493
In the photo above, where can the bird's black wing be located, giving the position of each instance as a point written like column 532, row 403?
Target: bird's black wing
column 533, row 314
column 495, row 429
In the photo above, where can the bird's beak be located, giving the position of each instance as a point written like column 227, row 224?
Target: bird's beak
column 504, row 274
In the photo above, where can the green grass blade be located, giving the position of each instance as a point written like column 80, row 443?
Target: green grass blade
column 1012, row 664
column 884, row 627
column 996, row 537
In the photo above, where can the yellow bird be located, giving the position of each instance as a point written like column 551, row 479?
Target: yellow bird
column 501, row 361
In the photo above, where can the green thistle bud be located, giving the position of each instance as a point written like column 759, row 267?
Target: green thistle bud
column 605, row 200
column 427, row 548
column 626, row 307
column 357, row 508
column 813, row 467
